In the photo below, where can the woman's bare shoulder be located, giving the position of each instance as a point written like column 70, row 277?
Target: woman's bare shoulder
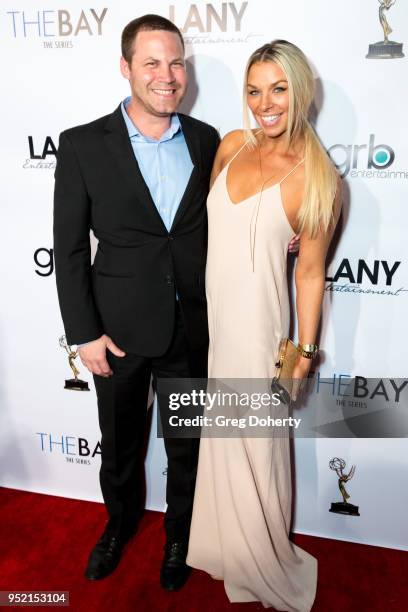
column 230, row 144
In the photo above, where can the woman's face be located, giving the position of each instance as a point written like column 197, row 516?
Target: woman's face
column 268, row 97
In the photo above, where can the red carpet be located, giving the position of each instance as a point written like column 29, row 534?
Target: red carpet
column 45, row 541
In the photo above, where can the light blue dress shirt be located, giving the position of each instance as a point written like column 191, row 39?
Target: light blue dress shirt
column 165, row 164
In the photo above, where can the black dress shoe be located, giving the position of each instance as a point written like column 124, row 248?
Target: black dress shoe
column 174, row 571
column 105, row 557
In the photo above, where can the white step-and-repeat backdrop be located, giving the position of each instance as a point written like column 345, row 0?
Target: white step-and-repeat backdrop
column 60, row 67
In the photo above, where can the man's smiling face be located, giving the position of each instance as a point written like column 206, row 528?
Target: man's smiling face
column 157, row 73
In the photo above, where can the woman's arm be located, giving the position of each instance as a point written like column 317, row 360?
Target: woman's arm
column 310, row 280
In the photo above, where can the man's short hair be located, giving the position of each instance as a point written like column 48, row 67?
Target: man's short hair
column 146, row 22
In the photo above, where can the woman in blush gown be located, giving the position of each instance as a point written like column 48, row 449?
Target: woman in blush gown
column 267, row 185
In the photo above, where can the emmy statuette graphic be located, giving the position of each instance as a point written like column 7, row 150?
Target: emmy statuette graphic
column 343, row 507
column 73, row 384
column 385, row 49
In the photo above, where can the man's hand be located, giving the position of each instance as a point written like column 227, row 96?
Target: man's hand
column 93, row 355
column 294, row 244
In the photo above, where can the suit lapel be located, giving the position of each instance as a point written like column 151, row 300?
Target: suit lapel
column 194, row 149
column 118, row 143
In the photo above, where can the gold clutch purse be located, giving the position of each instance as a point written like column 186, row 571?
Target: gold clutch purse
column 282, row 383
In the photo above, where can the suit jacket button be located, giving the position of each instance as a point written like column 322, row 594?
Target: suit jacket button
column 170, row 237
column 169, row 279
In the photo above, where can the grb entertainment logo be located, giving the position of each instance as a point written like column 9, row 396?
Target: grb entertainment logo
column 42, row 154
column 366, row 160
column 379, row 277
column 220, row 22
column 47, row 25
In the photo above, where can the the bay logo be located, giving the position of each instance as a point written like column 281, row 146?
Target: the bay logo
column 365, row 160
column 47, row 24
column 359, row 387
column 75, row 449
column 362, row 408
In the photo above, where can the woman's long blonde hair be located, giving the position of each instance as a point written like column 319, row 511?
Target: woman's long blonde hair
column 321, row 176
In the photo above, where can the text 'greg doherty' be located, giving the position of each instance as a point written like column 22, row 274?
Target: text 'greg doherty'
column 222, row 421
column 209, row 400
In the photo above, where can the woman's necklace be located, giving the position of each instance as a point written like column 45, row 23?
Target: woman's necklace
column 255, row 213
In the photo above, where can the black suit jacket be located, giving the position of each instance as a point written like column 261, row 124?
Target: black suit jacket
column 129, row 292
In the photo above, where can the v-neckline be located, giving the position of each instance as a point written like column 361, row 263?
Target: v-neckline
column 257, row 193
column 262, row 190
column 232, row 205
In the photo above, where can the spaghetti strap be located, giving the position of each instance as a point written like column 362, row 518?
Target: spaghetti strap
column 240, row 149
column 237, row 153
column 293, row 169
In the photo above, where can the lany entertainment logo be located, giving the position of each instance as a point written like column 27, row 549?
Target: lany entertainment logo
column 220, row 22
column 42, row 154
column 361, row 272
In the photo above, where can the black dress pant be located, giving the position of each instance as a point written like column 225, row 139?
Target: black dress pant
column 122, row 406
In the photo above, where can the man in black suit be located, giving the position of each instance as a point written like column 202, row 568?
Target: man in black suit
column 139, row 179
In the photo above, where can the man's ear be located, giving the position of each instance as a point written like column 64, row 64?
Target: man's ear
column 124, row 68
